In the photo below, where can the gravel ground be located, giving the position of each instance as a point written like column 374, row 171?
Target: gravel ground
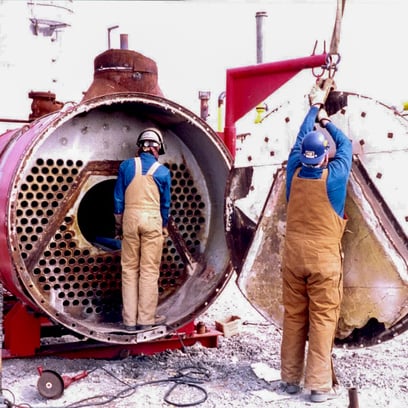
column 242, row 371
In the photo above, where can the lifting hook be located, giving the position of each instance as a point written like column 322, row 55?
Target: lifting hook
column 332, row 60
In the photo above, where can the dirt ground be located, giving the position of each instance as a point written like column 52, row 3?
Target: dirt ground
column 242, row 371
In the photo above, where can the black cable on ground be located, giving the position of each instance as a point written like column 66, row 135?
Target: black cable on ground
column 12, row 404
column 189, row 379
column 178, row 380
column 191, row 376
column 179, row 404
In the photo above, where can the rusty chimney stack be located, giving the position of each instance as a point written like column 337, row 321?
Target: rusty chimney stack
column 123, row 70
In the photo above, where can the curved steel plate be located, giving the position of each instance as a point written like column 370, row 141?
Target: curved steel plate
column 375, row 301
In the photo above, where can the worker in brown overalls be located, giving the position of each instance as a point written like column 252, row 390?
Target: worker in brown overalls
column 141, row 210
column 312, row 259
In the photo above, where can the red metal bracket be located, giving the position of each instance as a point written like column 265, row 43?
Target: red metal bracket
column 21, row 332
column 250, row 85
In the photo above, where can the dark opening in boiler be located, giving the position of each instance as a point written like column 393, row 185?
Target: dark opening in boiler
column 95, row 215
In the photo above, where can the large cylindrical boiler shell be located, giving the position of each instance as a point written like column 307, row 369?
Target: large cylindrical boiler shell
column 57, row 182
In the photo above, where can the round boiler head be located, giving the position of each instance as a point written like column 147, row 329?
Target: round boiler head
column 58, row 213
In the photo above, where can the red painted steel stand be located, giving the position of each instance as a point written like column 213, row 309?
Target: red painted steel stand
column 22, row 338
column 21, row 332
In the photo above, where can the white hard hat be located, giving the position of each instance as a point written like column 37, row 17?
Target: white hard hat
column 151, row 135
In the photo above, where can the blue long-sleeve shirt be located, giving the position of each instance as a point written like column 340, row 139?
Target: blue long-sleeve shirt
column 126, row 174
column 339, row 167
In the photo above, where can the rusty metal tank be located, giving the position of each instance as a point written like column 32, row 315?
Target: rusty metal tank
column 375, row 302
column 56, row 201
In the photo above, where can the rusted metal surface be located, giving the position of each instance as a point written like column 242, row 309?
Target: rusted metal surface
column 353, row 398
column 190, row 263
column 43, row 104
column 375, row 304
column 57, row 183
column 123, row 71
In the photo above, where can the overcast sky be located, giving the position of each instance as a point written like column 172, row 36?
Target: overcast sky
column 194, row 42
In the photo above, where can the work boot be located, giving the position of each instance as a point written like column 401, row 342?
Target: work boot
column 323, row 396
column 292, row 388
column 159, row 320
column 129, row 328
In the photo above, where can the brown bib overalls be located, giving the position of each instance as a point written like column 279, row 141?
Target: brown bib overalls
column 312, row 284
column 142, row 247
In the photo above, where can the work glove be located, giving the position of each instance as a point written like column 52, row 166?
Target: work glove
column 118, row 226
column 320, row 91
column 165, row 232
column 323, row 117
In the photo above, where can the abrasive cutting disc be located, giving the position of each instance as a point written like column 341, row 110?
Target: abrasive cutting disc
column 50, row 384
